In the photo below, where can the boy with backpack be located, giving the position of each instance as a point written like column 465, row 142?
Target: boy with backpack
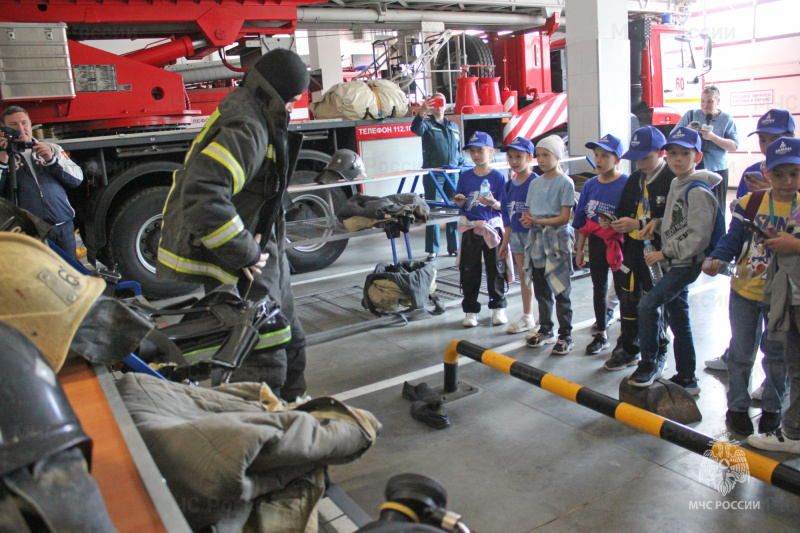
column 692, row 223
column 782, row 293
column 773, row 125
column 764, row 208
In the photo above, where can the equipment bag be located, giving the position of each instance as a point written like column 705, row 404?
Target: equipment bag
column 402, row 287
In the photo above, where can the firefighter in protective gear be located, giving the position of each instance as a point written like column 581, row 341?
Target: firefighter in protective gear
column 42, row 295
column 226, row 199
column 345, row 164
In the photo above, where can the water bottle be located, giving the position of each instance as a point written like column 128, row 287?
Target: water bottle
column 725, row 268
column 655, row 268
column 485, row 189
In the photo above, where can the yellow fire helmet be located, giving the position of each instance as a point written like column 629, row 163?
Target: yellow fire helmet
column 42, row 295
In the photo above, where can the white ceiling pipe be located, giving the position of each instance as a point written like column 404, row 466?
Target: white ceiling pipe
column 350, row 16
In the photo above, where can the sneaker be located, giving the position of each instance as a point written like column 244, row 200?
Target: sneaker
column 499, row 317
column 769, row 422
column 620, row 359
column 739, row 422
column 563, row 346
column 471, row 320
column 774, row 441
column 599, row 343
column 690, row 385
column 525, row 323
column 756, row 395
column 718, row 363
column 540, row 338
column 645, row 374
column 609, row 320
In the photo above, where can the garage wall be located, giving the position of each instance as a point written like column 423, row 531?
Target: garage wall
column 756, row 64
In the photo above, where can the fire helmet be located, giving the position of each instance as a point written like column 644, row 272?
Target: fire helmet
column 345, row 164
column 42, row 295
column 36, row 419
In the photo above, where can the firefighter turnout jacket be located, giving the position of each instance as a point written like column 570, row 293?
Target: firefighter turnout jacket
column 40, row 186
column 235, row 171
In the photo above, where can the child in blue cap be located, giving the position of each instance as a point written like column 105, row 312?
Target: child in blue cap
column 520, row 156
column 600, row 196
column 773, row 125
column 643, row 198
column 770, row 208
column 782, row 292
column 481, row 230
column 690, row 215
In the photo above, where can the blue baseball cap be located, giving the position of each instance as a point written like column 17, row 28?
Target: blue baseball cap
column 775, row 121
column 520, row 143
column 479, row 139
column 783, row 151
column 686, row 137
column 645, row 140
column 609, row 143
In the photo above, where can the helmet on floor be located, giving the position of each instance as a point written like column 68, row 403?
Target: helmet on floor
column 42, row 295
column 36, row 419
column 345, row 164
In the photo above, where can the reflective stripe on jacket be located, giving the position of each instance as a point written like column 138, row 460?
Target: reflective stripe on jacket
column 234, row 171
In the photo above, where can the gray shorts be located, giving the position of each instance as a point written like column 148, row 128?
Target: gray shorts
column 518, row 242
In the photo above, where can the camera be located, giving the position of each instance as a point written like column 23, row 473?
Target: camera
column 415, row 504
column 15, row 144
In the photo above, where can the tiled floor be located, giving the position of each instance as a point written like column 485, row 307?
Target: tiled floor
column 517, row 458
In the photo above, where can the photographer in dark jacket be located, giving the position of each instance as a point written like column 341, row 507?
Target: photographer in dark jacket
column 226, row 199
column 42, row 173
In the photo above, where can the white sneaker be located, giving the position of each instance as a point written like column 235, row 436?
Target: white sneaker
column 775, row 441
column 470, row 321
column 525, row 323
column 756, row 394
column 718, row 363
column 499, row 317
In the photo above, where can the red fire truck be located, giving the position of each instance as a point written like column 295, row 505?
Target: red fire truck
column 128, row 121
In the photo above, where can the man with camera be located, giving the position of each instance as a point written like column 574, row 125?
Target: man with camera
column 441, row 147
column 43, row 171
column 719, row 134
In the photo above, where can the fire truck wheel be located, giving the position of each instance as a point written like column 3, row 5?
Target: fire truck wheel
column 134, row 235
column 313, row 205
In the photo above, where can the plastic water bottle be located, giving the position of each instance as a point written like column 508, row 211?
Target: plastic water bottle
column 485, row 189
column 655, row 268
column 725, row 268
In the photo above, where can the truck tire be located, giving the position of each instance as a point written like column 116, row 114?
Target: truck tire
column 478, row 53
column 133, row 243
column 310, row 205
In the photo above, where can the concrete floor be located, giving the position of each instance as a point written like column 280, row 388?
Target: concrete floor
column 517, row 458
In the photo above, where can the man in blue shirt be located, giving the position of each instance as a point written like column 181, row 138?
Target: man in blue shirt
column 719, row 137
column 441, row 147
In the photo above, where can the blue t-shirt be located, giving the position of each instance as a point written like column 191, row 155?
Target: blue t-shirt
column 469, row 184
column 743, row 188
column 515, row 197
column 714, row 157
column 546, row 196
column 597, row 197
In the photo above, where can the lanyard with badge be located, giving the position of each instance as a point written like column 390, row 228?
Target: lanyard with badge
column 772, row 209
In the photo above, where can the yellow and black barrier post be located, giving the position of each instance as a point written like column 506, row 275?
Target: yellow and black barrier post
column 763, row 468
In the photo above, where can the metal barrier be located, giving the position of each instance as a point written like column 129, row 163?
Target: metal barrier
column 763, row 468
